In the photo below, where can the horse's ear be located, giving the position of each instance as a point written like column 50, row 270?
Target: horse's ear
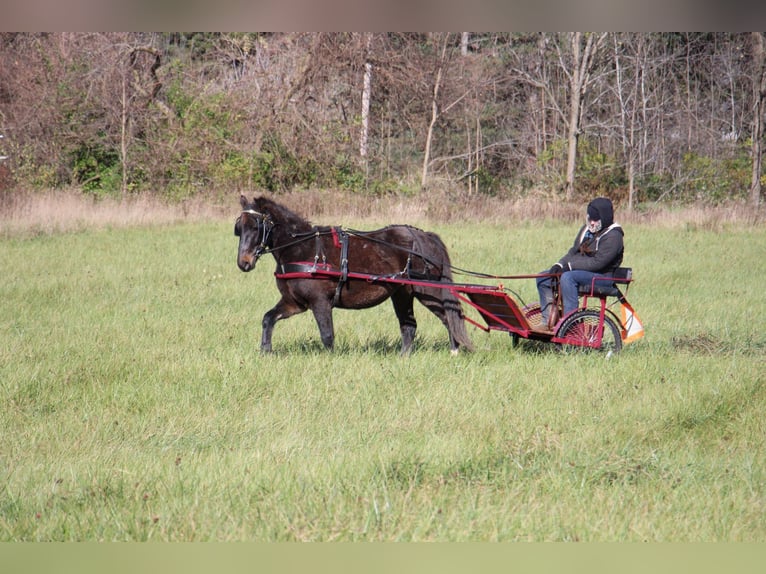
column 243, row 201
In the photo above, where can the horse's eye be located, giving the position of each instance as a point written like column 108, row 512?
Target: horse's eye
column 237, row 228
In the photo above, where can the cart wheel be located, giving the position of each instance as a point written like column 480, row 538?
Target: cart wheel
column 514, row 340
column 582, row 326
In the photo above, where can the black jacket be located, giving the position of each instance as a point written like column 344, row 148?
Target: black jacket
column 601, row 253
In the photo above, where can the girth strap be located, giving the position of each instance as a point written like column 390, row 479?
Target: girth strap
column 303, row 267
column 425, row 275
column 342, row 238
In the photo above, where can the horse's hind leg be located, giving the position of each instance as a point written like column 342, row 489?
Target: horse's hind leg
column 323, row 316
column 281, row 310
column 402, row 300
column 432, row 301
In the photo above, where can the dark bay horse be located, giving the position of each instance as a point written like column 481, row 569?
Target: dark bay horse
column 265, row 226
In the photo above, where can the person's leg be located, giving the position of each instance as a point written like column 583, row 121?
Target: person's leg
column 545, row 292
column 570, row 282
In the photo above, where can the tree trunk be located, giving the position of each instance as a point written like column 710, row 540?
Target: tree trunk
column 469, row 155
column 124, row 133
column 578, row 82
column 434, row 113
column 759, row 97
column 628, row 99
column 543, row 105
column 572, row 138
column 366, row 94
column 478, row 153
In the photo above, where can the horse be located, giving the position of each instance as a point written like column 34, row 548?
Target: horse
column 361, row 267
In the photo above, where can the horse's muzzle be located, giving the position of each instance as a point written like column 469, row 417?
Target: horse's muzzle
column 246, row 263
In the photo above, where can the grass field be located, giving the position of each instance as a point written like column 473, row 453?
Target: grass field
column 135, row 405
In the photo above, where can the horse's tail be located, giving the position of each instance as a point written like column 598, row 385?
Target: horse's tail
column 455, row 318
column 451, row 304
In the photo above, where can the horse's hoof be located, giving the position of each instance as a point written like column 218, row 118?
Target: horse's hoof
column 454, row 352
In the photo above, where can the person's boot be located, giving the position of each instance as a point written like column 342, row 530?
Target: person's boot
column 553, row 318
column 545, row 309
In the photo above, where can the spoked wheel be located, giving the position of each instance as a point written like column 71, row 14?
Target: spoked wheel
column 581, row 329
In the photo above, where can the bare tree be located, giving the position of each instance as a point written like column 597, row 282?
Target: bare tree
column 366, row 94
column 631, row 98
column 183, row 112
column 464, row 36
column 759, row 97
column 434, row 108
column 583, row 50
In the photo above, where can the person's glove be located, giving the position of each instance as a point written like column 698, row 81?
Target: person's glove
column 556, row 269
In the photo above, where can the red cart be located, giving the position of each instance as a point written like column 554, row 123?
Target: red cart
column 604, row 321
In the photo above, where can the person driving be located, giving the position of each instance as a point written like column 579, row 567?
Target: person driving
column 597, row 250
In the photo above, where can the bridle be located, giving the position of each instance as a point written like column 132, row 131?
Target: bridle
column 265, row 227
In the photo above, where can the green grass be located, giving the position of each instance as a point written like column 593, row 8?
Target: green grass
column 135, row 404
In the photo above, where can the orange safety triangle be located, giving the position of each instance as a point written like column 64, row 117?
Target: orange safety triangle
column 632, row 328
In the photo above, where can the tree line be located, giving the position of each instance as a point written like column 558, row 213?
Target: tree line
column 641, row 117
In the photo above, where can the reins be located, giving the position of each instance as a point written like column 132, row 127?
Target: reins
column 316, row 233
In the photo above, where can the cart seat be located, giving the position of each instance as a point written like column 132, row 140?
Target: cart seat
column 606, row 286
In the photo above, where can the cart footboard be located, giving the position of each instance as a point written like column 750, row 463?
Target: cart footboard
column 497, row 309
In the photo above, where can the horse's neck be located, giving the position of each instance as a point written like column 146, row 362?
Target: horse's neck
column 293, row 241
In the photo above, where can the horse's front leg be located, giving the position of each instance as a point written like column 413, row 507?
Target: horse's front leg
column 281, row 310
column 323, row 315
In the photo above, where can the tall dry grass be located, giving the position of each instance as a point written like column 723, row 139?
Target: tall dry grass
column 325, row 206
column 67, row 211
column 70, row 210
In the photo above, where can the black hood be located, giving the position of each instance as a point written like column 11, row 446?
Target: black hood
column 603, row 206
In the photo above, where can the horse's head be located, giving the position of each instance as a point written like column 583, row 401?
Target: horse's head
column 253, row 227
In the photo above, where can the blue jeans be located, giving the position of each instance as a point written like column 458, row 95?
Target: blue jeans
column 569, row 284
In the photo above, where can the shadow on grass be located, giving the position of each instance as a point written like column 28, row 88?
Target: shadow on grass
column 386, row 346
column 378, row 346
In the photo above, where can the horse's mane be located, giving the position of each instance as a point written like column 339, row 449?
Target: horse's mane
column 282, row 214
